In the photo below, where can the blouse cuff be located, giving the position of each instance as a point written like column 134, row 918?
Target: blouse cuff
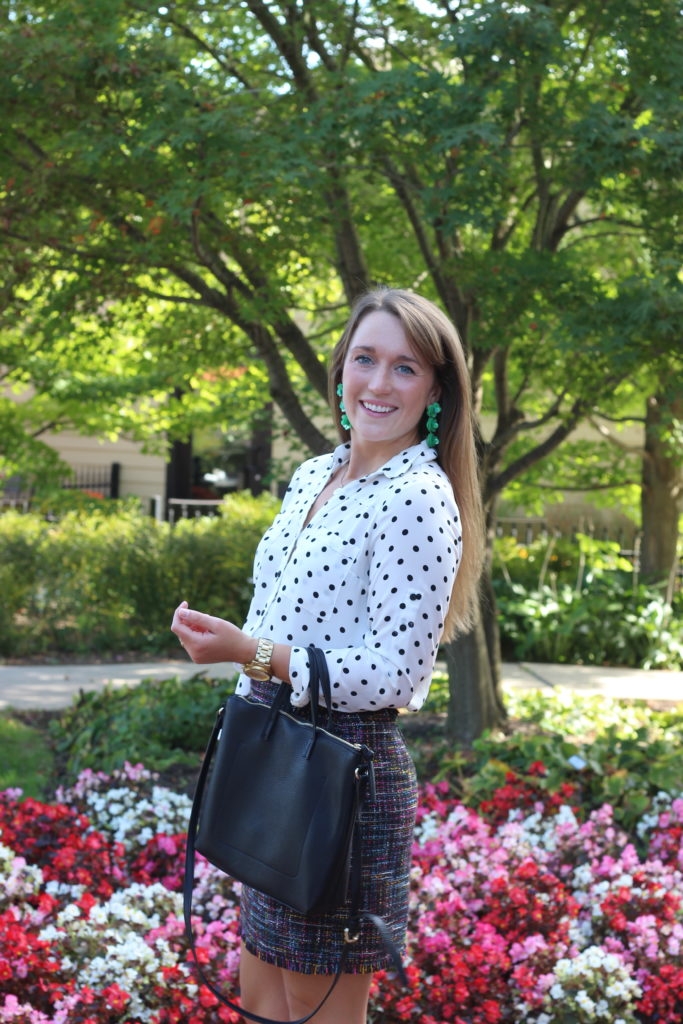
column 299, row 675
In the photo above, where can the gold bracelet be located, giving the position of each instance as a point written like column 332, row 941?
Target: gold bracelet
column 260, row 668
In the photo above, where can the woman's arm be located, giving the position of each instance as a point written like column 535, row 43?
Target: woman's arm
column 208, row 640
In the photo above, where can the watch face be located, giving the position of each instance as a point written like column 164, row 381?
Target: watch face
column 261, row 675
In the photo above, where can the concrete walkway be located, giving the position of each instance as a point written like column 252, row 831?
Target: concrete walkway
column 55, row 686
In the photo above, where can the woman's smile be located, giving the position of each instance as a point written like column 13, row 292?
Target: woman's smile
column 373, row 407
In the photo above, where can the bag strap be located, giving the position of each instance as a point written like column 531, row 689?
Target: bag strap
column 320, row 680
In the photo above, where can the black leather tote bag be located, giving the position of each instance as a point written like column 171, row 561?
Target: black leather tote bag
column 282, row 799
column 275, row 806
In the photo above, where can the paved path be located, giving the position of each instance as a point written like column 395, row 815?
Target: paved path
column 54, row 686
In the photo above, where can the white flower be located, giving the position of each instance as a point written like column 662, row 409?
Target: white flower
column 585, row 1002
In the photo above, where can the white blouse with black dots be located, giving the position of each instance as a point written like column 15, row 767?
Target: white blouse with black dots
column 368, row 580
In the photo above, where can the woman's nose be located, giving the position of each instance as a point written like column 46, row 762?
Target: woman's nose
column 380, row 380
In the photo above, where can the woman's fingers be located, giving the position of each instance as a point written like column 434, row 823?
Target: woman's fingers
column 199, row 622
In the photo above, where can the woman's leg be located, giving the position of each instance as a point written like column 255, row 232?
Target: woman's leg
column 289, row 995
column 262, row 987
column 348, row 1003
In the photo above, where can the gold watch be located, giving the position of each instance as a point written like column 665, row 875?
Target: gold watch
column 260, row 668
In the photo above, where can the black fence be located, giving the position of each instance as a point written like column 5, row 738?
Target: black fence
column 99, row 481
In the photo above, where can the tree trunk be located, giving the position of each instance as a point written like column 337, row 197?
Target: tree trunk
column 260, row 452
column 661, row 491
column 179, row 471
column 475, row 697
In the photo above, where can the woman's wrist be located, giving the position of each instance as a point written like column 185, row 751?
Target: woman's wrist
column 279, row 656
column 260, row 666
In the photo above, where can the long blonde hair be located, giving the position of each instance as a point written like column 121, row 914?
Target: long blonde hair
column 436, row 339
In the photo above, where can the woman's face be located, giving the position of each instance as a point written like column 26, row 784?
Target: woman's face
column 387, row 385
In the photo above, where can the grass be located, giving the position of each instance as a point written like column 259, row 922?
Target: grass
column 26, row 759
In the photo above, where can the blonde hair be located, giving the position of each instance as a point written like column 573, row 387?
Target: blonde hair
column 436, row 340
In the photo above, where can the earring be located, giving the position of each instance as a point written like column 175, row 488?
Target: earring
column 345, row 421
column 433, row 411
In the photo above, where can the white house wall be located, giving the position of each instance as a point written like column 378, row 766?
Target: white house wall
column 141, row 476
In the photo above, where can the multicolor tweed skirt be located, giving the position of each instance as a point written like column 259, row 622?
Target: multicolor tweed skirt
column 313, row 945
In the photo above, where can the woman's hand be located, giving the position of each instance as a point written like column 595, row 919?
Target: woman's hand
column 208, row 639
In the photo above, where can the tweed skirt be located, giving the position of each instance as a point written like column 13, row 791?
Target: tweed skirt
column 313, row 945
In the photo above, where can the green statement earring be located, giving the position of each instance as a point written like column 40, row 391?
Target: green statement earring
column 433, row 411
column 345, row 421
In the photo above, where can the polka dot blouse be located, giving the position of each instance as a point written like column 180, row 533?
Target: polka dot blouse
column 368, row 580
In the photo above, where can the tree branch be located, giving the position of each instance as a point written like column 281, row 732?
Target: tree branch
column 497, row 482
column 206, row 47
column 575, row 488
column 609, row 436
column 280, row 386
column 448, row 291
column 619, row 419
column 285, row 46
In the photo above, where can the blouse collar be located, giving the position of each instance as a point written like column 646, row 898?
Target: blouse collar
column 398, row 464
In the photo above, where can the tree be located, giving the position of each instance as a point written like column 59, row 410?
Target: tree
column 258, row 165
column 662, row 486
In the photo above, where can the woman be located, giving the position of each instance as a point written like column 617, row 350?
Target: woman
column 362, row 562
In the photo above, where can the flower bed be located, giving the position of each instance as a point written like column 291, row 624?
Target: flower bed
column 527, row 910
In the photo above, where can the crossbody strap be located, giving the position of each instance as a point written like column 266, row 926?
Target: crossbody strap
column 320, row 680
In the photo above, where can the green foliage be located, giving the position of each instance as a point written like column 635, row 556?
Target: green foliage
column 26, row 759
column 158, row 723
column 98, row 582
column 581, row 603
column 22, row 454
column 94, row 582
column 606, row 624
column 59, row 501
column 619, row 753
column 557, row 560
column 212, row 558
column 191, row 196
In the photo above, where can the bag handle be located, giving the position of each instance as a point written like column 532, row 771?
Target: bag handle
column 319, row 679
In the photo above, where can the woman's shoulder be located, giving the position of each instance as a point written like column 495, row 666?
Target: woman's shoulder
column 425, row 475
column 423, row 490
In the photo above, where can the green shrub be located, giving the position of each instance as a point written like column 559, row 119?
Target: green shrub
column 557, row 561
column 582, row 604
column 26, row 760
column 105, row 578
column 92, row 582
column 616, row 752
column 607, row 624
column 20, row 565
column 158, row 723
column 212, row 557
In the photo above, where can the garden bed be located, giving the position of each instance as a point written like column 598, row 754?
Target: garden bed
column 547, row 879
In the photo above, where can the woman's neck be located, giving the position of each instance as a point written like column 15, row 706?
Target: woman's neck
column 366, row 459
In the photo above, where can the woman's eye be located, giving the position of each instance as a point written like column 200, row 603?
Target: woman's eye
column 405, row 369
column 362, row 358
